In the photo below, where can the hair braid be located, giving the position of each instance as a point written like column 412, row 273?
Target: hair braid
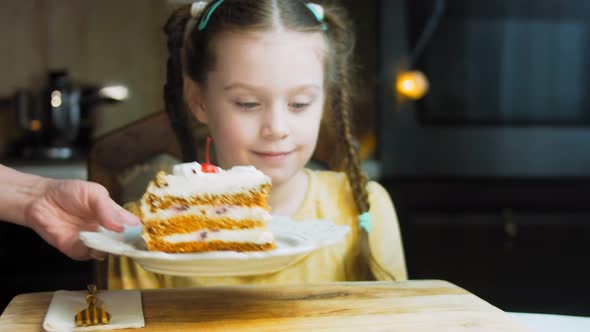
column 173, row 98
column 341, row 105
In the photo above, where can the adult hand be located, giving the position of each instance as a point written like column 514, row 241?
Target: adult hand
column 63, row 208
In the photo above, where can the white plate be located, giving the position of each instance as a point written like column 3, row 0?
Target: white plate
column 295, row 239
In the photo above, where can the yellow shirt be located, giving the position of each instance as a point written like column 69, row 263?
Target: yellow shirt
column 328, row 197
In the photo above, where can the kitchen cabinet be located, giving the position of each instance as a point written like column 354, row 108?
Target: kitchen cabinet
column 521, row 245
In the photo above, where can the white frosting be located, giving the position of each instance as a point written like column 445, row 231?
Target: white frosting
column 212, row 212
column 188, row 179
column 258, row 236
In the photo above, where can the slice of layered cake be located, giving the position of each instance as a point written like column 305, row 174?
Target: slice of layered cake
column 205, row 208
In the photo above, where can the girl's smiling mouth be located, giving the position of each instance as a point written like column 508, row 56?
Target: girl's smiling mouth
column 273, row 155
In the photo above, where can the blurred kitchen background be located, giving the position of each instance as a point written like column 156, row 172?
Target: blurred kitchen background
column 473, row 114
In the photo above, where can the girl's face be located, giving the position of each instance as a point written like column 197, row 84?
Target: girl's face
column 263, row 101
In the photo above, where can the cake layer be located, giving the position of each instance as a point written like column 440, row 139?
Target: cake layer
column 153, row 202
column 187, row 247
column 258, row 236
column 191, row 223
column 211, row 212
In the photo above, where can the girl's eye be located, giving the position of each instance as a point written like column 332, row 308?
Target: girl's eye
column 247, row 106
column 299, row 106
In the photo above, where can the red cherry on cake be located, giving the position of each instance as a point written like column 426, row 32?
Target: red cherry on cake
column 207, row 167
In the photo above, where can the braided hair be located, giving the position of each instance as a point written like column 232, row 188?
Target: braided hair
column 173, row 99
column 340, row 96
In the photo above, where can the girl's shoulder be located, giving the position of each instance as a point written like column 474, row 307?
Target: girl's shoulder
column 335, row 187
column 338, row 182
column 328, row 178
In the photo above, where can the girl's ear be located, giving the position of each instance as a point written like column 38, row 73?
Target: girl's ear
column 194, row 98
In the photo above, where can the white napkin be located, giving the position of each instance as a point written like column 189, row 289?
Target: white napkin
column 124, row 306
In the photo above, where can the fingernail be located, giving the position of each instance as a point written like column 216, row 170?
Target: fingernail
column 133, row 220
column 128, row 218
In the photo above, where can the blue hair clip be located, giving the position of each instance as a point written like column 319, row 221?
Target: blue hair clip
column 318, row 12
column 365, row 221
column 205, row 19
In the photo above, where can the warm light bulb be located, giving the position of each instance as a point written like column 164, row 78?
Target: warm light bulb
column 116, row 92
column 55, row 99
column 412, row 84
column 35, row 125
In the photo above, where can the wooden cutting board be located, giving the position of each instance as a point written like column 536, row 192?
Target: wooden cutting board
column 427, row 305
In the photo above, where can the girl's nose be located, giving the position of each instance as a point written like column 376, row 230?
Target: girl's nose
column 276, row 124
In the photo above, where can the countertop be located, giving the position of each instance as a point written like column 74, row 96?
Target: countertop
column 59, row 169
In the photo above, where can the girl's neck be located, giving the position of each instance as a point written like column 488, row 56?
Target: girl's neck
column 286, row 198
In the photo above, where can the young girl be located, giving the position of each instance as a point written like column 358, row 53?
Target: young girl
column 268, row 77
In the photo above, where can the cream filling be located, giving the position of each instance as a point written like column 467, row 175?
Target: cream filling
column 258, row 236
column 211, row 212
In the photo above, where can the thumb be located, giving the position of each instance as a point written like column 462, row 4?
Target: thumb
column 108, row 213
